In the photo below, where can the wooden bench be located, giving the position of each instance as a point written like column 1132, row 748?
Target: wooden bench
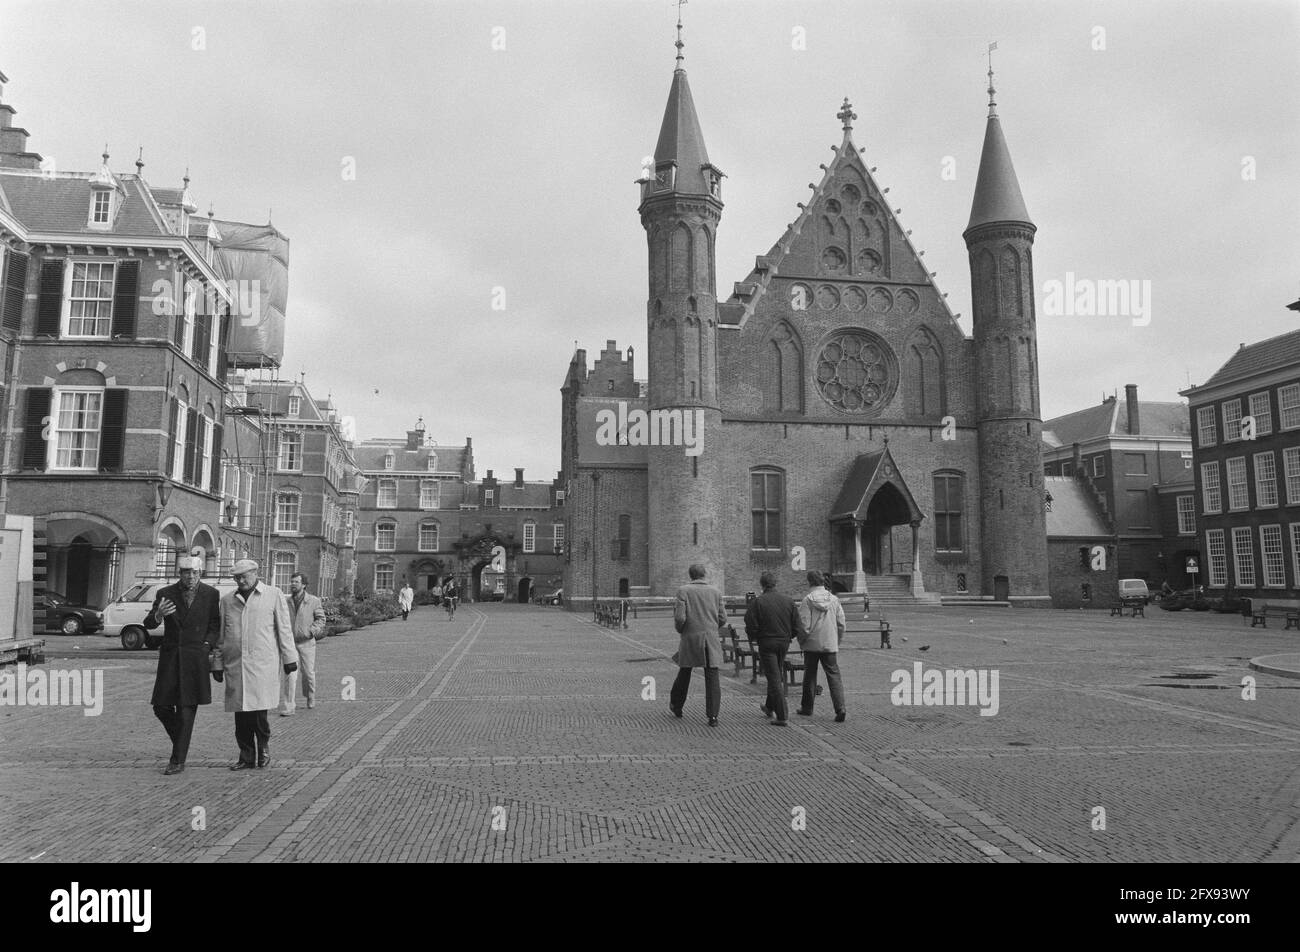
column 1137, row 606
column 1260, row 614
column 611, row 614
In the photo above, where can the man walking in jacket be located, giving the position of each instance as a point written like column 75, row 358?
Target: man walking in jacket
column 772, row 621
column 698, row 614
column 191, row 620
column 307, row 617
column 256, row 641
column 823, row 618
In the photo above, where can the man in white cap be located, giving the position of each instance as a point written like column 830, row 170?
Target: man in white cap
column 191, row 619
column 256, row 641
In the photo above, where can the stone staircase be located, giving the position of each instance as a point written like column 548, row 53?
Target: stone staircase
column 895, row 591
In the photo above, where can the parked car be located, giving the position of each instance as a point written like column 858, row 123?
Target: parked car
column 555, row 598
column 1135, row 588
column 62, row 615
column 124, row 618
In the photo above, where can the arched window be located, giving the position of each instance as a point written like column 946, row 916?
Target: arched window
column 385, row 536
column 767, row 508
column 782, row 373
column 949, row 512
column 288, row 505
column 923, row 376
column 429, row 536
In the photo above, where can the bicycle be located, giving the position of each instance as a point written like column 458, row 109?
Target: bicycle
column 451, row 606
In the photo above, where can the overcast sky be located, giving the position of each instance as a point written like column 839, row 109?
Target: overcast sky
column 1169, row 156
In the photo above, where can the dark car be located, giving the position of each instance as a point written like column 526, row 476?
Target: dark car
column 62, row 615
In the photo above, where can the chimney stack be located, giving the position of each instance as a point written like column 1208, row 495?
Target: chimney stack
column 519, row 478
column 1131, row 397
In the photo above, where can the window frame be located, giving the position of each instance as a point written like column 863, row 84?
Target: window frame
column 1289, row 390
column 1263, row 417
column 69, row 278
column 277, row 564
column 1231, row 426
column 95, row 196
column 391, row 568
column 428, row 524
column 1190, row 513
column 1217, row 578
column 436, row 486
column 379, row 493
column 1099, row 466
column 557, row 537
column 295, row 406
column 767, row 509
column 1291, row 455
column 1280, row 563
column 1266, row 494
column 282, row 496
column 942, row 518
column 1207, row 487
column 530, row 536
column 52, row 445
column 289, row 438
column 1203, row 414
column 1243, row 484
column 389, row 525
column 1243, row 556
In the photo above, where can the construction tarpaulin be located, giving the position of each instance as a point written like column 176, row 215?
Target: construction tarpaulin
column 254, row 262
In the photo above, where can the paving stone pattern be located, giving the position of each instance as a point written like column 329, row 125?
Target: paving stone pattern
column 517, row 733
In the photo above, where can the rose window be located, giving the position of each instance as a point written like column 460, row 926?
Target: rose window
column 856, row 372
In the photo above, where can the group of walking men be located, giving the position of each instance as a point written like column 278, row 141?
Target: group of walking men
column 772, row 621
column 255, row 640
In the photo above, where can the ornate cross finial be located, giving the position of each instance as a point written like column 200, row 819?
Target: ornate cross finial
column 993, row 106
column 846, row 115
column 679, row 44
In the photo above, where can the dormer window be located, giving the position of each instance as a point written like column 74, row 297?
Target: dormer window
column 388, row 460
column 295, row 406
column 101, row 206
column 433, row 462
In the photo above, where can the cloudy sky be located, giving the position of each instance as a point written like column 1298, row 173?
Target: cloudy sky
column 495, row 147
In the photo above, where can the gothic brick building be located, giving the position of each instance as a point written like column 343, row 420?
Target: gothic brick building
column 829, row 413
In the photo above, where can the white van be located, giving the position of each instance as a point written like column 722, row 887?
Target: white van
column 124, row 618
column 1135, row 588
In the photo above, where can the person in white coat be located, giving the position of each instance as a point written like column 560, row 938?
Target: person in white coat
column 256, row 642
column 823, row 619
column 405, row 599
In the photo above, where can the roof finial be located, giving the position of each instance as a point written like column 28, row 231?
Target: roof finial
column 993, row 106
column 211, row 212
column 139, row 162
column 106, row 153
column 679, row 44
column 186, row 179
column 846, row 115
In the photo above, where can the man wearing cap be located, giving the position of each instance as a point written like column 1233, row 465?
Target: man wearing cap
column 256, row 642
column 191, row 619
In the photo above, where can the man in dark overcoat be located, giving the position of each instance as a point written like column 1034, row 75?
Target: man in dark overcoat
column 190, row 614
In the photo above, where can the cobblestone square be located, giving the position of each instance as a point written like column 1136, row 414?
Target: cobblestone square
column 518, row 733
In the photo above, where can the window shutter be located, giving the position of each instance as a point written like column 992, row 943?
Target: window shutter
column 191, row 427
column 199, row 351
column 214, row 478
column 172, row 423
column 49, row 312
column 178, row 331
column 112, row 439
column 223, row 329
column 15, row 285
column 38, row 408
column 126, row 298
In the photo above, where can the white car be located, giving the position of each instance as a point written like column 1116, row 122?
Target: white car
column 124, row 618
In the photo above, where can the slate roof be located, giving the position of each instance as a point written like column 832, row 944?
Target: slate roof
column 681, row 140
column 1110, row 418
column 1258, row 358
column 1073, row 513
column 370, row 457
column 997, row 190
column 533, row 495
column 62, row 204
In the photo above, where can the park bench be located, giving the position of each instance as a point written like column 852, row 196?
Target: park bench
column 1259, row 614
column 1136, row 606
column 611, row 614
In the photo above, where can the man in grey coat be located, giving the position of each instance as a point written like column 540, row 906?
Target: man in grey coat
column 698, row 614
column 823, row 619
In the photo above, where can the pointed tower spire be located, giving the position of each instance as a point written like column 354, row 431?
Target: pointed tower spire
column 997, row 190
column 679, row 44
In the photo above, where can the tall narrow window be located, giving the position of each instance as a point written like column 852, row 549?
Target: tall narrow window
column 295, row 406
column 1288, row 405
column 1218, row 553
column 76, row 429
column 386, row 494
column 288, row 506
column 1262, row 412
column 1211, row 495
column 291, row 452
column 429, row 493
column 283, row 565
column 949, row 509
column 1231, row 420
column 530, row 536
column 1243, row 556
column 557, row 537
column 767, row 502
column 1265, row 480
column 1207, row 430
column 1291, row 462
column 385, row 536
column 1238, row 494
column 1270, row 549
column 1187, row 515
column 383, row 576
column 623, row 544
column 428, row 537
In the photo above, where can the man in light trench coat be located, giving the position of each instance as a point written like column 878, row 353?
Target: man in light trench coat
column 256, row 641
column 698, row 614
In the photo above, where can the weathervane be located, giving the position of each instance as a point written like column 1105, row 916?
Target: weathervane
column 993, row 106
column 679, row 44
